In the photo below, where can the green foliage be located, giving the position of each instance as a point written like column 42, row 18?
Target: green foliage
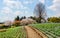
column 17, row 18
column 38, row 20
column 24, row 17
column 15, row 25
column 4, row 27
column 52, row 29
column 17, row 32
column 54, row 19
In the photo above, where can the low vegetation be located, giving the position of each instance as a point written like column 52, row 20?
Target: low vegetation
column 17, row 32
column 54, row 19
column 52, row 30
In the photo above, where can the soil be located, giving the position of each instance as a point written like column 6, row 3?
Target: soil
column 33, row 33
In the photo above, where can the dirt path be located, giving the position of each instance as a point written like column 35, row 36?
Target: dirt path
column 31, row 33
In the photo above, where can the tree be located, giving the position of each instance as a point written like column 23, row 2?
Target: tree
column 34, row 18
column 16, row 21
column 24, row 17
column 54, row 19
column 40, row 12
column 17, row 18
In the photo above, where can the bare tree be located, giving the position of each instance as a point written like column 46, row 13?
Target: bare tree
column 40, row 11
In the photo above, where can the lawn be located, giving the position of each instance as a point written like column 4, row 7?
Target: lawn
column 17, row 32
column 52, row 30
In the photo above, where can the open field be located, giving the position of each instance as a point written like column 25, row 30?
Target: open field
column 52, row 30
column 17, row 32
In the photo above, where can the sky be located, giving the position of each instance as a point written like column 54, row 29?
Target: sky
column 9, row 9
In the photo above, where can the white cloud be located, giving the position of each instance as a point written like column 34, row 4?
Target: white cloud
column 55, row 7
column 22, row 13
column 56, row 1
column 9, row 10
column 6, row 10
column 5, row 18
column 58, row 14
column 18, row 13
column 42, row 1
column 13, row 4
column 28, row 2
column 26, row 12
column 25, row 8
column 16, row 4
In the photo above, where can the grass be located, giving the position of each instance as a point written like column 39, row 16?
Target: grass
column 52, row 30
column 17, row 32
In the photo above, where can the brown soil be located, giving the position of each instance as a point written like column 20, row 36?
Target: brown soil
column 33, row 33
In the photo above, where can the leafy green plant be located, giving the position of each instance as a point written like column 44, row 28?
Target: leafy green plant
column 52, row 29
column 17, row 32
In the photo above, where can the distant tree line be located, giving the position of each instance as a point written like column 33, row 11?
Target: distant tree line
column 50, row 19
column 54, row 19
column 24, row 21
column 18, row 18
column 38, row 20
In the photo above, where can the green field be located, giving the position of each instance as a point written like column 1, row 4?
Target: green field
column 52, row 30
column 17, row 32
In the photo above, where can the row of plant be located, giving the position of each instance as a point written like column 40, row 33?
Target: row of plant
column 17, row 32
column 52, row 29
